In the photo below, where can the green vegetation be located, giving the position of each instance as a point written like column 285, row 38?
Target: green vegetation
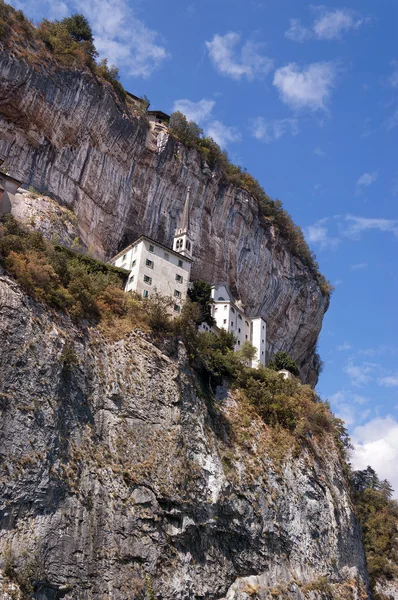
column 271, row 211
column 378, row 515
column 200, row 292
column 281, row 361
column 69, row 42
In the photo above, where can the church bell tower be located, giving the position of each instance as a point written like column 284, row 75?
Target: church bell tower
column 182, row 240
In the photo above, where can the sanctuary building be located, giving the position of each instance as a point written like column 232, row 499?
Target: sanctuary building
column 155, row 267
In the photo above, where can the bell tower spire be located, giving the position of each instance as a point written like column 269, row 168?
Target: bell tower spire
column 182, row 239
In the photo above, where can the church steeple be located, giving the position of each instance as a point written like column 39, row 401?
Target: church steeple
column 182, row 241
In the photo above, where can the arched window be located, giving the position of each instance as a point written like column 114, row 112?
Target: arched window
column 188, row 245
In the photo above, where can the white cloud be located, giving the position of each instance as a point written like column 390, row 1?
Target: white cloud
column 319, row 152
column 134, row 47
column 268, row 131
column 359, row 266
column 297, row 32
column 367, row 179
column 229, row 60
column 195, row 111
column 391, row 381
column 52, row 10
column 344, row 347
column 376, row 444
column 360, row 374
column 357, row 225
column 327, row 25
column 318, row 234
column 222, row 134
column 306, row 87
column 345, row 405
column 330, row 24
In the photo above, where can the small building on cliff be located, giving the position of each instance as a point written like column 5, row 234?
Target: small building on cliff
column 8, row 188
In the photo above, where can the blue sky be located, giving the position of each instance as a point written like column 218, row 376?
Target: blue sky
column 304, row 96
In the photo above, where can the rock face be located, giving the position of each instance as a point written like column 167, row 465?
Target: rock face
column 64, row 133
column 119, row 480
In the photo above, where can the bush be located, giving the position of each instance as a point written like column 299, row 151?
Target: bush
column 281, row 361
column 200, row 292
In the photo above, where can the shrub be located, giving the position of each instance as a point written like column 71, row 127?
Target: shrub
column 281, row 361
column 200, row 292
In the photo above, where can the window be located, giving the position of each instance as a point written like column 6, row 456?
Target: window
column 179, row 244
column 148, row 279
column 151, row 248
column 239, row 317
column 177, row 294
column 177, row 308
column 181, row 263
column 247, row 324
column 145, row 293
column 232, row 310
column 239, row 330
column 246, row 336
column 179, row 278
column 124, row 257
column 232, row 323
column 216, row 309
column 263, row 326
column 166, row 256
column 225, row 322
column 225, row 307
column 133, row 264
column 262, row 352
column 131, row 278
column 149, row 263
column 188, row 245
column 262, row 341
column 238, row 343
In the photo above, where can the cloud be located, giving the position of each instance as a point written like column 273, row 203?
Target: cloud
column 297, row 32
column 343, row 347
column 318, row 234
column 52, row 10
column 359, row 266
column 229, row 60
column 360, row 374
column 319, row 152
column 345, row 405
column 222, row 134
column 357, row 225
column 376, row 444
column 367, row 179
column 306, row 87
column 195, row 111
column 327, row 25
column 268, row 131
column 391, row 381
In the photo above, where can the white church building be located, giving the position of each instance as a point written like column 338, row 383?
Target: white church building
column 155, row 267
column 229, row 315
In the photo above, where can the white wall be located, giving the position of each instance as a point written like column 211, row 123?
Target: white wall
column 259, row 340
column 166, row 265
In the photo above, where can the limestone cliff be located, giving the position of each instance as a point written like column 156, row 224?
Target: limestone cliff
column 119, row 480
column 64, row 133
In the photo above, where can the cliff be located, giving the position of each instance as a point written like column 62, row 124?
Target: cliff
column 64, row 132
column 121, row 480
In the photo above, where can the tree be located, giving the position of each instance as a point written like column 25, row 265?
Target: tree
column 200, row 292
column 79, row 28
column 283, row 361
column 188, row 132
